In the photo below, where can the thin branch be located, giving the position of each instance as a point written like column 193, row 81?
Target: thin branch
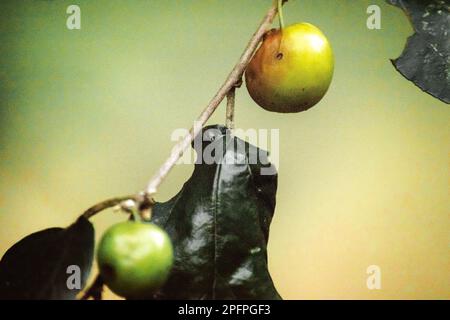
column 230, row 82
column 105, row 205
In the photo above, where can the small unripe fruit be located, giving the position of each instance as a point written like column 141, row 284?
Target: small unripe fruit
column 135, row 259
column 291, row 70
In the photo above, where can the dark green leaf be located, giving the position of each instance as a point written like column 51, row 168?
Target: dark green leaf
column 36, row 266
column 219, row 224
column 426, row 57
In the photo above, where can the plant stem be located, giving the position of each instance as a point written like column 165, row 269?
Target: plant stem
column 230, row 82
column 280, row 13
column 105, row 205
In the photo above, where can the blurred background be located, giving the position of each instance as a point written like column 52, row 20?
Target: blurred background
column 363, row 176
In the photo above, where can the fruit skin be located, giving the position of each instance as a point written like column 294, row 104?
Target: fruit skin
column 135, row 258
column 291, row 70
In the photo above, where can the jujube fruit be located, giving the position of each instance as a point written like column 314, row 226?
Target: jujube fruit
column 291, row 70
column 135, row 258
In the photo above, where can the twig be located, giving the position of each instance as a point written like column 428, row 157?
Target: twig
column 105, row 205
column 233, row 78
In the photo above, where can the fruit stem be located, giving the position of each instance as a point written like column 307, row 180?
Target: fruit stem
column 130, row 207
column 280, row 13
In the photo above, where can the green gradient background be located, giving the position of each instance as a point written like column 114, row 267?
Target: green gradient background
column 363, row 177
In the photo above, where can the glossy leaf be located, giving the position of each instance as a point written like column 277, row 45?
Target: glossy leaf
column 36, row 267
column 219, row 223
column 426, row 57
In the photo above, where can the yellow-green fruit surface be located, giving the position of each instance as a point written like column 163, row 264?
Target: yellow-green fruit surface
column 292, row 69
column 135, row 258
